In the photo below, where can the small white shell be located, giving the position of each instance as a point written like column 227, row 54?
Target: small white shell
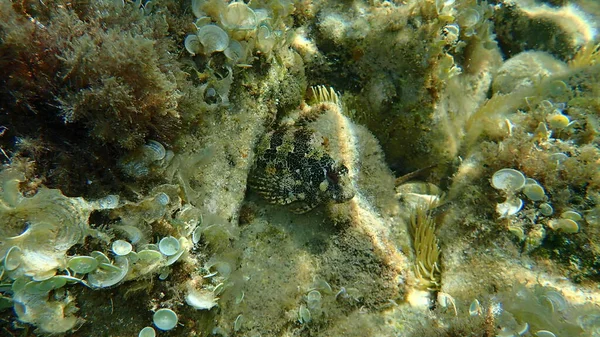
column 213, row 38
column 509, row 180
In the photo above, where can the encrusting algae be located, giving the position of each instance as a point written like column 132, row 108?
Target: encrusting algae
column 299, row 168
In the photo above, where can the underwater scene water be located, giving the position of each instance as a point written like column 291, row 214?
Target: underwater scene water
column 407, row 168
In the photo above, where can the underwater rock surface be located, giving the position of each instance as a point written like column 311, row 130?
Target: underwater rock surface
column 300, row 168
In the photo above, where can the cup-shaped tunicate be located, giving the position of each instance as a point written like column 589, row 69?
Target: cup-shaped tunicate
column 107, row 275
column 237, row 324
column 147, row 332
column 555, row 301
column 202, row 21
column 121, row 247
column 238, row 16
column 169, row 245
column 508, row 180
column 265, row 39
column 148, row 256
column 213, row 38
column 303, row 314
column 43, row 287
column 469, row 17
column 558, row 157
column 12, row 259
column 197, row 8
column 571, row 215
column 101, row 257
column 510, row 207
column 564, row 225
column 193, row 45
column 546, row 209
column 173, row 258
column 165, row 319
column 235, row 51
column 313, row 299
column 534, row 192
column 544, row 333
column 82, row 264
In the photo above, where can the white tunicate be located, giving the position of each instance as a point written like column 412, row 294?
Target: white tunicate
column 202, row 21
column 469, row 18
column 544, row 333
column 169, row 245
column 148, row 256
column 534, row 192
column 556, row 299
column 147, row 332
column 82, row 264
column 213, row 38
column 237, row 324
column 546, row 209
column 234, row 51
column 558, row 157
column 509, row 207
column 12, row 260
column 121, row 247
column 564, row 225
column 133, row 234
column 265, row 39
column 508, row 180
column 197, row 234
column 107, row 275
column 165, row 319
column 192, row 44
column 238, row 16
column 313, row 299
column 571, row 215
column 303, row 314
column 197, row 8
